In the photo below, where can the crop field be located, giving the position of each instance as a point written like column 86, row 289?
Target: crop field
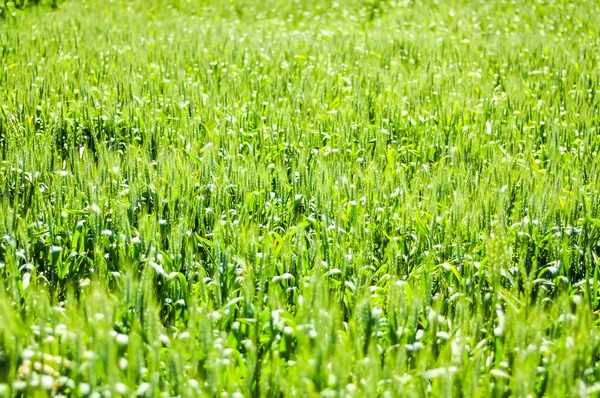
column 301, row 198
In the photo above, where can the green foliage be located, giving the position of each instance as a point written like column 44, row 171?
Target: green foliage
column 305, row 198
column 9, row 8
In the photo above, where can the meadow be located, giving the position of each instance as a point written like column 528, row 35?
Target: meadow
column 302, row 198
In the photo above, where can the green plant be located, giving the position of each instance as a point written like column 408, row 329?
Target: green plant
column 367, row 198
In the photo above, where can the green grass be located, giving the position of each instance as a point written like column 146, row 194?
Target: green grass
column 300, row 198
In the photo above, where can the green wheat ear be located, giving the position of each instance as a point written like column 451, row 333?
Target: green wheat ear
column 499, row 254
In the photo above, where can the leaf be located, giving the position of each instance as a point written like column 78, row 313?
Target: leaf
column 26, row 279
column 204, row 241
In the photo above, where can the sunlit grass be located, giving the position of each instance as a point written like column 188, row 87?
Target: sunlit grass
column 302, row 198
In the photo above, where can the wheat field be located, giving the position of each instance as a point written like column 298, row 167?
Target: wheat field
column 303, row 198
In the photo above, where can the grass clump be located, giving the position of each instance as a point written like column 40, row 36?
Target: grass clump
column 357, row 198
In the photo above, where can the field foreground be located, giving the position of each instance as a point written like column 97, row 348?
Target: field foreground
column 300, row 198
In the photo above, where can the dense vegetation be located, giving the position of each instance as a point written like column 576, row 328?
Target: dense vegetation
column 299, row 198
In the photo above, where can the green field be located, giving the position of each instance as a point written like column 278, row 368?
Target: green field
column 301, row 198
